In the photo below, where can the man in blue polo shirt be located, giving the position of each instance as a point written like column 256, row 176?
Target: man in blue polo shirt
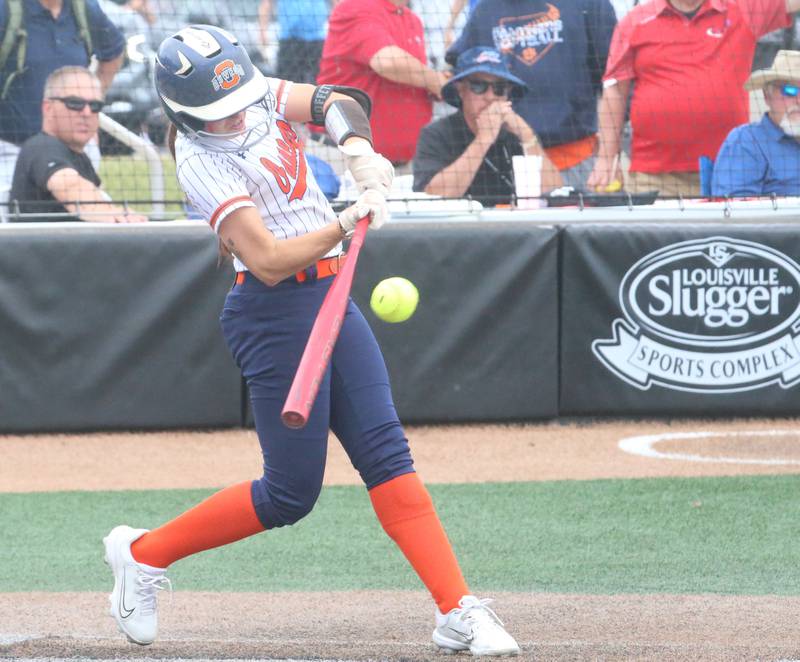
column 559, row 49
column 302, row 26
column 53, row 40
column 764, row 158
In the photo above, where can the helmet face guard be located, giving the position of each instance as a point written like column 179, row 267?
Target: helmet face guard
column 203, row 74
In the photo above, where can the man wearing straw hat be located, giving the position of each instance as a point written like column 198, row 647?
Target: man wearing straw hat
column 764, row 158
column 685, row 63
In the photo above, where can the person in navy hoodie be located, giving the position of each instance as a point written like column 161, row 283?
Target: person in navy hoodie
column 559, row 49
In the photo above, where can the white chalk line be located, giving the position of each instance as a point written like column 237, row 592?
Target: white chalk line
column 644, row 445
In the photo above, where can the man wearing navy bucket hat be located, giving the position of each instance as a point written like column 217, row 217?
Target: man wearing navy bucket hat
column 468, row 153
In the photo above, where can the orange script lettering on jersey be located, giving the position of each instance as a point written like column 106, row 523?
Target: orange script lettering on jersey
column 293, row 163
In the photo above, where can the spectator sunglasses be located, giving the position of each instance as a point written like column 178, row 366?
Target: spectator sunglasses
column 500, row 88
column 78, row 103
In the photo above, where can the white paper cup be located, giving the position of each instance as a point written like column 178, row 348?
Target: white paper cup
column 527, row 180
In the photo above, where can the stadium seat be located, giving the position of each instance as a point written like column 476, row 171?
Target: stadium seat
column 706, row 164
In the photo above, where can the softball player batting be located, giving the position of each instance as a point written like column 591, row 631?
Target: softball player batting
column 239, row 162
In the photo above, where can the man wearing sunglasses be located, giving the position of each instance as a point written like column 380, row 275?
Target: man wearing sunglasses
column 39, row 36
column 469, row 152
column 559, row 48
column 54, row 180
column 764, row 158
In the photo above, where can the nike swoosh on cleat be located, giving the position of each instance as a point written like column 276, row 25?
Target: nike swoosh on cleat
column 461, row 635
column 124, row 612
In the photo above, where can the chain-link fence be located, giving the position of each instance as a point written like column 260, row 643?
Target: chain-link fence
column 501, row 102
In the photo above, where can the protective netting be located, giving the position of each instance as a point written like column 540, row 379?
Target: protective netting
column 519, row 103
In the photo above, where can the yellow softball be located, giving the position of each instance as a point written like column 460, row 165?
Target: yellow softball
column 394, row 299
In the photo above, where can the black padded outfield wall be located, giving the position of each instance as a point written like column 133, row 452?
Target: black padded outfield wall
column 680, row 320
column 117, row 327
column 483, row 342
column 113, row 328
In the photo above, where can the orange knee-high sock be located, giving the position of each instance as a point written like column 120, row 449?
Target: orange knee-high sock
column 406, row 513
column 225, row 517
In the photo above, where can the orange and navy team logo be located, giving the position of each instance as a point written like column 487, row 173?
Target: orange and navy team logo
column 227, row 74
column 529, row 38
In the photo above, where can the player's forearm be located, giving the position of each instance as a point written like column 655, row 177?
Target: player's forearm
column 611, row 117
column 395, row 64
column 282, row 259
column 455, row 179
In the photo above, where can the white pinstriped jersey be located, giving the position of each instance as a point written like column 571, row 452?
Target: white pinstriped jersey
column 273, row 176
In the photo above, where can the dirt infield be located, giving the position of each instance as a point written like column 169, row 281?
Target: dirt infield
column 350, row 627
column 395, row 625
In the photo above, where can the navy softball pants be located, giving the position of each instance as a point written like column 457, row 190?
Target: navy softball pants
column 266, row 329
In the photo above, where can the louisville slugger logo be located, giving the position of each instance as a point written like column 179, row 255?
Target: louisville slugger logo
column 293, row 166
column 227, row 75
column 715, row 315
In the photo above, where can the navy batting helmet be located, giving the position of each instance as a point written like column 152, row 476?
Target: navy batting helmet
column 204, row 74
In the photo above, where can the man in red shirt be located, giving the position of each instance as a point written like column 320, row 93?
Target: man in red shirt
column 378, row 46
column 689, row 60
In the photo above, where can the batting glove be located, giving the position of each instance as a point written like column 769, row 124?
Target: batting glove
column 370, row 203
column 370, row 170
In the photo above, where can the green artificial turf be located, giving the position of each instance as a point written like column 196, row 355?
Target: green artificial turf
column 718, row 535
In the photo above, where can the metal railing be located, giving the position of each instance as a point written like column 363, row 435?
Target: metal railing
column 144, row 148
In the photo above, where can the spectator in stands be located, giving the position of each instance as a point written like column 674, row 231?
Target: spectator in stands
column 53, row 174
column 379, row 47
column 141, row 7
column 469, row 152
column 768, row 45
column 688, row 61
column 764, row 158
column 302, row 34
column 559, row 49
column 134, row 18
column 434, row 15
column 455, row 11
column 50, row 34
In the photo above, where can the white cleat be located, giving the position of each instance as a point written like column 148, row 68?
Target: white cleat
column 473, row 627
column 133, row 600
